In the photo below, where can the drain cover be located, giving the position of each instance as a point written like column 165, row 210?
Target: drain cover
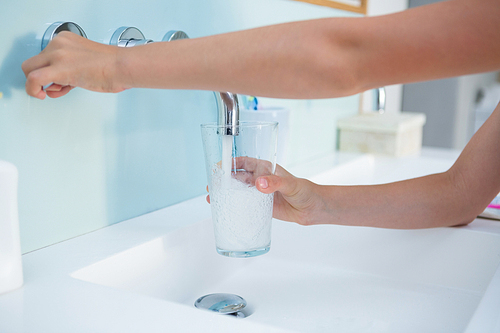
column 221, row 303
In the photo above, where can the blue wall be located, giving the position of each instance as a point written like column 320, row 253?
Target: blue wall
column 89, row 160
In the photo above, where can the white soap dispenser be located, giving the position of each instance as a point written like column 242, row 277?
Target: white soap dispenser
column 11, row 273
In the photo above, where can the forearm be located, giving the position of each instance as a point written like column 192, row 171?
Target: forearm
column 425, row 202
column 445, row 39
column 294, row 60
column 328, row 57
column 454, row 197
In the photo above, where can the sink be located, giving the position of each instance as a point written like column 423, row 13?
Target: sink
column 321, row 278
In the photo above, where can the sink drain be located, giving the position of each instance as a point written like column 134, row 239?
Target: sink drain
column 228, row 304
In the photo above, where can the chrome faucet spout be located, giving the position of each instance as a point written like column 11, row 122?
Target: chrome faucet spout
column 228, row 112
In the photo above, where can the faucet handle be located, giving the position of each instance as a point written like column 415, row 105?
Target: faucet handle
column 57, row 27
column 174, row 35
column 128, row 37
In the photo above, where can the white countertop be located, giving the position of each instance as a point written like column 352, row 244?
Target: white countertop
column 51, row 300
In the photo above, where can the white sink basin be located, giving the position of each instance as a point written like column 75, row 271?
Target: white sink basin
column 321, row 278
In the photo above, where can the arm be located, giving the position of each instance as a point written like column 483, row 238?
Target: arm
column 454, row 197
column 310, row 59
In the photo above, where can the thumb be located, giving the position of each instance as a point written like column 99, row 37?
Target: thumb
column 272, row 183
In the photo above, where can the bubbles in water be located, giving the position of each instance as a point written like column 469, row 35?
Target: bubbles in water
column 241, row 214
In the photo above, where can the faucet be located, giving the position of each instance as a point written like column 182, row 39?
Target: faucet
column 228, row 109
column 228, row 114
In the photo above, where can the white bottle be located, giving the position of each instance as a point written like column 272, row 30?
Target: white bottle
column 11, row 273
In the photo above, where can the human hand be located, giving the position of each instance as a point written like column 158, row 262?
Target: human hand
column 71, row 61
column 295, row 199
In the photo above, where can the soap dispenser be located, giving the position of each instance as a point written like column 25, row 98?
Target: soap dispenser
column 11, row 274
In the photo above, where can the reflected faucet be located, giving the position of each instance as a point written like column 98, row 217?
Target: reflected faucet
column 228, row 109
column 380, row 99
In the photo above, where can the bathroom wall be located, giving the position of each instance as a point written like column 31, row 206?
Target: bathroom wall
column 89, row 160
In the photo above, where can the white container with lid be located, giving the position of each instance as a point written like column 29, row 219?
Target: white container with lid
column 11, row 273
column 382, row 133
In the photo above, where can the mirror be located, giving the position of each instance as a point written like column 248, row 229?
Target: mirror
column 357, row 6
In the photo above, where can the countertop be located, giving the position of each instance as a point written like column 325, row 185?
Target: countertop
column 51, row 300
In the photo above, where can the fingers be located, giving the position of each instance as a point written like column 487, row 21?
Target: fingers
column 54, row 87
column 35, row 81
column 36, row 78
column 273, row 183
column 253, row 164
column 259, row 172
column 39, row 78
column 63, row 90
column 40, row 94
column 36, row 62
column 244, row 177
column 60, row 66
column 208, row 196
column 282, row 181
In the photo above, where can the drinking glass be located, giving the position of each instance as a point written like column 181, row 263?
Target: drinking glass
column 241, row 214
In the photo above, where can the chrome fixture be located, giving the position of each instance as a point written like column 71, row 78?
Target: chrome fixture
column 174, row 35
column 380, row 99
column 228, row 112
column 128, row 36
column 57, row 27
column 222, row 304
column 228, row 109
